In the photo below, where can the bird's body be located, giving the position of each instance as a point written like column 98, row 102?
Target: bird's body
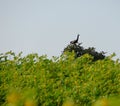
column 75, row 41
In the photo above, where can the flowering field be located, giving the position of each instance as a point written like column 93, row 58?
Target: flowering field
column 38, row 81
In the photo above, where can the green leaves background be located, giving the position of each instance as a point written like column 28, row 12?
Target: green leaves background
column 49, row 82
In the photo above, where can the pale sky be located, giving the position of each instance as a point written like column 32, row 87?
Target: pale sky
column 47, row 26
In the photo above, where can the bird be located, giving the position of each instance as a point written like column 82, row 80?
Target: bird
column 75, row 41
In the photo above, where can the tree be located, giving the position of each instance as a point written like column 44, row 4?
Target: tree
column 79, row 51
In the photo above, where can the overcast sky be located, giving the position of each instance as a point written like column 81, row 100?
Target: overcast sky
column 47, row 26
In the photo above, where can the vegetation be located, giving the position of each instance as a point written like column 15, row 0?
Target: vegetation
column 38, row 81
column 79, row 51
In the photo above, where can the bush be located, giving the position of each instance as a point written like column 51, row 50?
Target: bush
column 36, row 80
column 79, row 51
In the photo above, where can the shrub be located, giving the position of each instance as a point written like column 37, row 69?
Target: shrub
column 37, row 80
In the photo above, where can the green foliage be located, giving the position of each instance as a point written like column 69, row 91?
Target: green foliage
column 79, row 51
column 36, row 80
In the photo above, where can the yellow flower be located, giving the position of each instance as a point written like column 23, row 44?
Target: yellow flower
column 102, row 102
column 68, row 103
column 13, row 98
column 30, row 103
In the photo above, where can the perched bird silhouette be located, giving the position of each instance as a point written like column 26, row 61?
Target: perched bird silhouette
column 75, row 41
